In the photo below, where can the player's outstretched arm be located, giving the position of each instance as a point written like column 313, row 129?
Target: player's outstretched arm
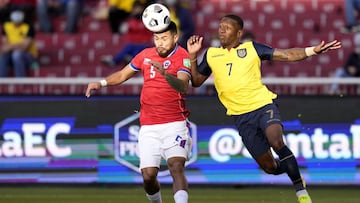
column 113, row 79
column 298, row 54
column 193, row 47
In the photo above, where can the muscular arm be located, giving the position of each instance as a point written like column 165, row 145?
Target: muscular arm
column 179, row 83
column 197, row 79
column 294, row 54
column 113, row 79
column 194, row 46
column 298, row 54
column 120, row 76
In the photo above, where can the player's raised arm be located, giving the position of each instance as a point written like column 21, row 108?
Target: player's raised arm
column 298, row 54
column 193, row 47
column 113, row 79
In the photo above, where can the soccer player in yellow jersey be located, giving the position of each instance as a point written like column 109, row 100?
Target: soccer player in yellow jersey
column 236, row 68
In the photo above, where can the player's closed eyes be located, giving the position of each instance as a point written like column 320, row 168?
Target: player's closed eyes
column 164, row 38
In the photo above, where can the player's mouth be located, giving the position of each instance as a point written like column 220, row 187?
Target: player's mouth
column 161, row 51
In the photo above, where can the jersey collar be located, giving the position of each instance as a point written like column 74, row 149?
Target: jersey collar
column 173, row 51
column 236, row 46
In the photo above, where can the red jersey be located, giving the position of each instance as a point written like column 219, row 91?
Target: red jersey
column 160, row 103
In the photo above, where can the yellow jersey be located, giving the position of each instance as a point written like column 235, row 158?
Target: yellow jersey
column 126, row 6
column 175, row 19
column 237, row 76
column 15, row 34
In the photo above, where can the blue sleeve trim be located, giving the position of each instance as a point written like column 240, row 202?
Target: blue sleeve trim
column 204, row 68
column 132, row 66
column 265, row 52
column 185, row 71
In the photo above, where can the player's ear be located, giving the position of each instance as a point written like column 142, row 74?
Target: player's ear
column 176, row 37
column 239, row 34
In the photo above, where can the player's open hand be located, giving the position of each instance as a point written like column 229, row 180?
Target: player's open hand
column 92, row 86
column 322, row 47
column 194, row 44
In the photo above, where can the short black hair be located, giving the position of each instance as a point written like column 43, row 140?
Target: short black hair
column 237, row 18
column 171, row 27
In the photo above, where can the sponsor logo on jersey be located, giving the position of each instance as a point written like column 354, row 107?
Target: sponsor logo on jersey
column 186, row 63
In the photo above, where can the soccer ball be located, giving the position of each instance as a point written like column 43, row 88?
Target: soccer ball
column 156, row 17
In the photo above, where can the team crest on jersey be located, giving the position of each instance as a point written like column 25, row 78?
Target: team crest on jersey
column 166, row 64
column 241, row 53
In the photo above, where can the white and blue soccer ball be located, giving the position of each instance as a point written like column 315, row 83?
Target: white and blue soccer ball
column 156, row 17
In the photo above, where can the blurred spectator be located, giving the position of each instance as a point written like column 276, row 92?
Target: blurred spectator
column 182, row 18
column 101, row 10
column 46, row 9
column 119, row 11
column 18, row 46
column 351, row 67
column 352, row 12
column 27, row 6
column 137, row 38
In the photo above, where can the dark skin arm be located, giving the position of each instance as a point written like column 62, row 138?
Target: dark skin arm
column 194, row 45
column 298, row 54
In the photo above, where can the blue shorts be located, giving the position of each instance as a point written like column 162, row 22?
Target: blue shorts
column 252, row 125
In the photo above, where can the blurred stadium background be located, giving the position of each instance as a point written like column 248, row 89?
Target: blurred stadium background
column 37, row 166
column 279, row 23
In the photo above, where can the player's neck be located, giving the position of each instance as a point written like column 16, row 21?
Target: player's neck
column 230, row 46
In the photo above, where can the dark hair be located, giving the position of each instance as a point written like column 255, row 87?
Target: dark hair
column 238, row 20
column 171, row 27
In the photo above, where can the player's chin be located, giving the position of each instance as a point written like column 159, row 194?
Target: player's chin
column 162, row 52
column 223, row 41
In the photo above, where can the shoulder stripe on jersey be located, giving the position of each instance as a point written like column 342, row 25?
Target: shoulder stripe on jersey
column 132, row 66
column 265, row 52
column 185, row 71
column 173, row 51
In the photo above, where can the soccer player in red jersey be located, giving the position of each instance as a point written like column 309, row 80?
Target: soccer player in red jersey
column 163, row 115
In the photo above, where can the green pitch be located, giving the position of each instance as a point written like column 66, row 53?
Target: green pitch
column 135, row 194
